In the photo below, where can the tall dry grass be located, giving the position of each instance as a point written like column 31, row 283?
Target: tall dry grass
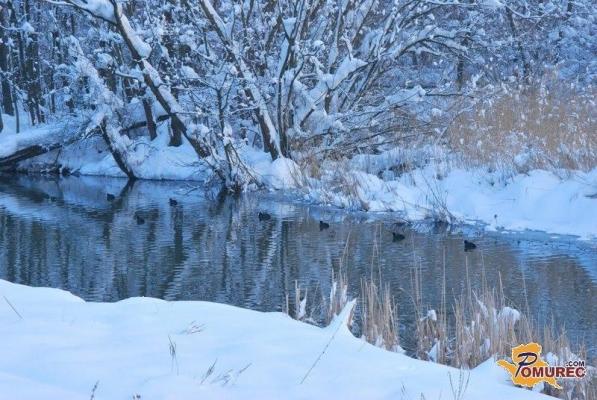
column 551, row 126
column 464, row 331
column 430, row 332
column 379, row 316
column 482, row 326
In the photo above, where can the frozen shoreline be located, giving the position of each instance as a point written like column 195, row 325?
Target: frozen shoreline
column 62, row 346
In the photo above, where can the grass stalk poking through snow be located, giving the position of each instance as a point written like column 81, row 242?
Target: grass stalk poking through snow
column 13, row 307
column 93, row 390
column 173, row 357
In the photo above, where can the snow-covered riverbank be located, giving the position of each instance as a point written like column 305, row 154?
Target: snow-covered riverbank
column 560, row 202
column 54, row 345
column 538, row 200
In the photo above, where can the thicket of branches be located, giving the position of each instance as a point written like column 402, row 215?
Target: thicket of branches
column 324, row 77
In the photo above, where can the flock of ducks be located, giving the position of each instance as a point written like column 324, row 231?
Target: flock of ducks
column 396, row 236
column 263, row 216
column 138, row 218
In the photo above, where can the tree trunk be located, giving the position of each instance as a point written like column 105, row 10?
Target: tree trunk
column 151, row 127
column 17, row 115
column 33, row 151
column 4, row 68
column 151, row 77
column 119, row 154
column 26, row 153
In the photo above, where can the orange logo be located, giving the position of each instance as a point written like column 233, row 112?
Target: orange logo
column 530, row 369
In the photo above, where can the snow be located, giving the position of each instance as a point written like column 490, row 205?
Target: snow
column 433, row 353
column 10, row 141
column 508, row 314
column 149, row 159
column 415, row 94
column 169, row 99
column 61, row 347
column 142, row 48
column 8, row 145
column 281, row 173
column 189, row 72
column 493, row 3
column 432, row 315
column 539, row 200
column 101, row 8
column 26, row 27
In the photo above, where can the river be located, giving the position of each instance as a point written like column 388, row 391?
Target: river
column 104, row 240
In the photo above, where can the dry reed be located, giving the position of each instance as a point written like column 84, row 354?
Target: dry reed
column 480, row 326
column 550, row 127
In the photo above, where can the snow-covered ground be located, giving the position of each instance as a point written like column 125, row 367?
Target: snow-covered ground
column 538, row 200
column 56, row 346
column 11, row 142
column 150, row 159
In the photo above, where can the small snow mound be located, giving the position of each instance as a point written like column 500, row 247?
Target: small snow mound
column 283, row 174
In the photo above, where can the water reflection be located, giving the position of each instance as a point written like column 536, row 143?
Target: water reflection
column 68, row 233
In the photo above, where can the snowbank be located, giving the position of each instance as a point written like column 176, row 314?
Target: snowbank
column 42, row 135
column 539, row 200
column 59, row 347
column 282, row 173
column 149, row 159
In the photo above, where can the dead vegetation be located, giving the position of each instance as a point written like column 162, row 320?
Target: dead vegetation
column 464, row 331
column 551, row 126
column 478, row 325
column 379, row 316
